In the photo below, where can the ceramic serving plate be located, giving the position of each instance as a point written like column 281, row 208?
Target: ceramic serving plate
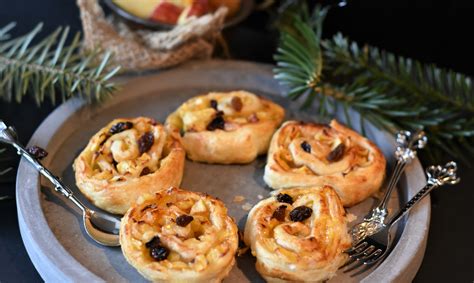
column 51, row 227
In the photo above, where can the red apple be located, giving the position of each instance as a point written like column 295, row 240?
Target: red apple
column 167, row 13
column 198, row 8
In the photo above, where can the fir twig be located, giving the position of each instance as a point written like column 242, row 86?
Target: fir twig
column 51, row 66
column 390, row 91
column 299, row 60
column 3, row 172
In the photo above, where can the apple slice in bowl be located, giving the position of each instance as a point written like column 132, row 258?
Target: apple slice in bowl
column 165, row 14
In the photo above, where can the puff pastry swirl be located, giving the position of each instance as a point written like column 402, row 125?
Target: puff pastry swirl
column 198, row 239
column 308, row 154
column 298, row 246
column 127, row 158
column 225, row 128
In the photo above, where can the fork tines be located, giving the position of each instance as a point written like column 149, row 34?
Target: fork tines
column 364, row 253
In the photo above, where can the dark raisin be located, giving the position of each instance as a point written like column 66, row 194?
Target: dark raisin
column 156, row 250
column 184, row 220
column 216, row 123
column 236, row 103
column 214, row 104
column 279, row 213
column 285, row 198
column 159, row 253
column 145, row 142
column 120, row 127
column 336, row 154
column 145, row 171
column 300, row 213
column 306, row 146
column 37, row 152
column 155, row 242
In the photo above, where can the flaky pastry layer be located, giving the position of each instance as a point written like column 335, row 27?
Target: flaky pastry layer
column 128, row 158
column 231, row 127
column 309, row 154
column 201, row 251
column 310, row 250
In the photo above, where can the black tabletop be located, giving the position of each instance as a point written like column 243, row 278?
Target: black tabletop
column 434, row 32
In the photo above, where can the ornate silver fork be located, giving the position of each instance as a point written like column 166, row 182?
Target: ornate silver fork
column 408, row 143
column 375, row 247
column 102, row 228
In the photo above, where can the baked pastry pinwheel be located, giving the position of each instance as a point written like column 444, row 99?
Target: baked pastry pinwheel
column 309, row 154
column 225, row 128
column 298, row 235
column 127, row 158
column 179, row 236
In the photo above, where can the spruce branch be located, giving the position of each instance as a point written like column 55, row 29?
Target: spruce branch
column 390, row 91
column 3, row 171
column 427, row 82
column 299, row 60
column 51, row 66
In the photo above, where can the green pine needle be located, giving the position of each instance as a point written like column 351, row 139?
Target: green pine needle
column 299, row 58
column 5, row 198
column 390, row 91
column 3, row 171
column 50, row 66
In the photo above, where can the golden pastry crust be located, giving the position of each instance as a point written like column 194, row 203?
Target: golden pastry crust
column 308, row 154
column 201, row 251
column 292, row 249
column 128, row 158
column 225, row 128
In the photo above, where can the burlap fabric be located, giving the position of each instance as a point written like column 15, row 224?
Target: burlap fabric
column 146, row 49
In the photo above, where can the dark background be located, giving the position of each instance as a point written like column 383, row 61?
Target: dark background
column 437, row 32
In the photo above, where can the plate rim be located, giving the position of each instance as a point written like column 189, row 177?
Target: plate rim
column 28, row 202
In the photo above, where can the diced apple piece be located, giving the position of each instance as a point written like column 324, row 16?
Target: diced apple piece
column 167, row 13
column 197, row 9
column 140, row 8
column 198, row 207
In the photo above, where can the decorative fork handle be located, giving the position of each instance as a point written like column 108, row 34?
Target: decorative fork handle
column 437, row 176
column 8, row 135
column 408, row 143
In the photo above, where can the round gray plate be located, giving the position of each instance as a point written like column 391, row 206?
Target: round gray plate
column 51, row 227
